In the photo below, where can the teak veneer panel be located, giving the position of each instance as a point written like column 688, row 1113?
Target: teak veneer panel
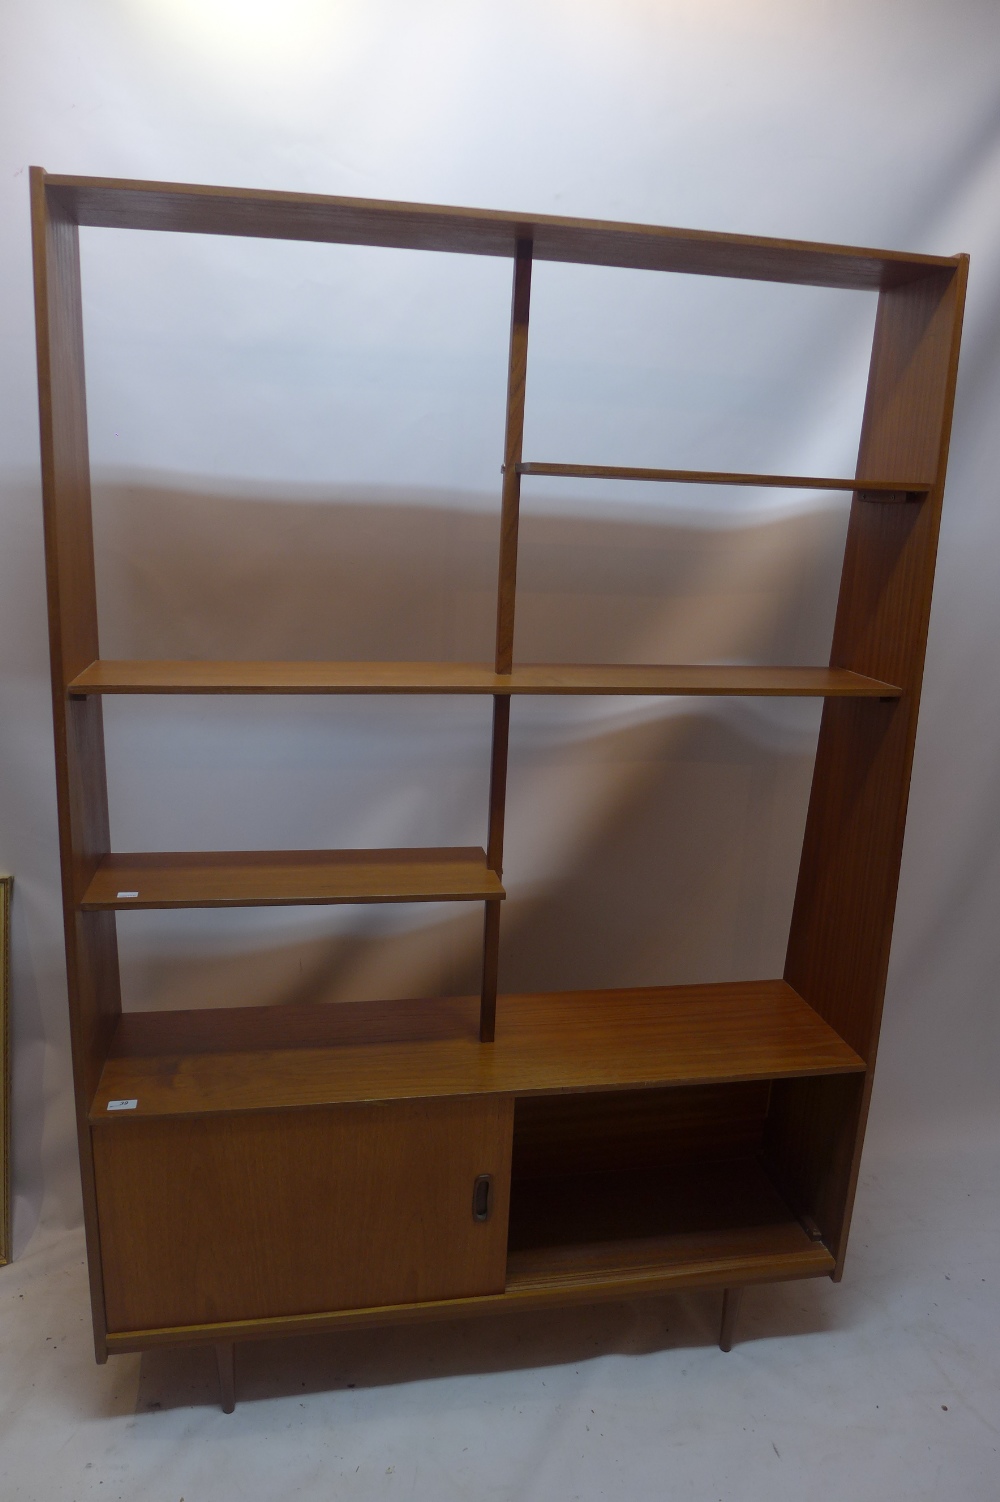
column 272, row 878
column 163, row 677
column 241, row 1217
column 260, row 1058
column 196, row 209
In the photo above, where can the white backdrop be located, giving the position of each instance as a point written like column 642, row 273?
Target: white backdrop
column 296, row 452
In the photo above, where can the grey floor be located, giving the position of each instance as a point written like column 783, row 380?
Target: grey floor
column 884, row 1387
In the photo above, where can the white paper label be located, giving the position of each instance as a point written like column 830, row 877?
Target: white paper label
column 119, row 895
column 122, row 1105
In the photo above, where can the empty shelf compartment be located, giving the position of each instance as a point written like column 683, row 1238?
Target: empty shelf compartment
column 721, row 1222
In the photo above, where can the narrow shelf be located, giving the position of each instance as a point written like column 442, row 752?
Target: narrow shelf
column 264, row 1058
column 635, row 1228
column 277, row 878
column 163, row 677
column 118, row 203
column 725, row 477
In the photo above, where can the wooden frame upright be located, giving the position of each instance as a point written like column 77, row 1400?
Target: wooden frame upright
column 549, row 1148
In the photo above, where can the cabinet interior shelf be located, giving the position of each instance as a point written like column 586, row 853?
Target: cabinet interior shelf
column 571, row 1230
column 639, row 679
column 269, row 1058
column 280, row 878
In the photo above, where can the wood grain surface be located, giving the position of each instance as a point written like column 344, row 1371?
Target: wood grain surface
column 258, row 1058
column 274, row 878
column 241, row 1217
column 194, row 677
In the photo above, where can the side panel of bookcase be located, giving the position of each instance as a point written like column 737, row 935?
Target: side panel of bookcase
column 91, row 941
column 838, row 951
column 250, row 1215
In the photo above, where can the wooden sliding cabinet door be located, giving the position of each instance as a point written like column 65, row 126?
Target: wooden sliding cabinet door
column 261, row 1214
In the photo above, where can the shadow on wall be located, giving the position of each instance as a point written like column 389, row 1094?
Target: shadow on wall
column 648, row 841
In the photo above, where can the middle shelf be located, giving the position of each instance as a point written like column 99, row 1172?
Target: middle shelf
column 273, row 1058
column 280, row 878
column 639, row 679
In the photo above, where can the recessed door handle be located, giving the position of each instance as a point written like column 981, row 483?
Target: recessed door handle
column 482, row 1197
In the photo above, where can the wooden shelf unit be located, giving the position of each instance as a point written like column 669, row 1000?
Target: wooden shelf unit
column 248, row 1172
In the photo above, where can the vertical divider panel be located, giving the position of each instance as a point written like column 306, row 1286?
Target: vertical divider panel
column 838, row 949
column 517, row 370
column 81, row 783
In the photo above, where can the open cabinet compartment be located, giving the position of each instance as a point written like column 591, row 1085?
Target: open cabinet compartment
column 653, row 1138
column 643, row 1185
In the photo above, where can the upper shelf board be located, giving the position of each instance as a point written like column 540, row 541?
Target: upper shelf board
column 122, row 204
column 273, row 1058
column 163, row 677
column 881, row 489
column 287, row 878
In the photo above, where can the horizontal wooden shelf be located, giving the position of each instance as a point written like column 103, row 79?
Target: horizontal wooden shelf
column 162, row 677
column 725, row 477
column 197, row 209
column 280, row 878
column 267, row 1058
column 628, row 1227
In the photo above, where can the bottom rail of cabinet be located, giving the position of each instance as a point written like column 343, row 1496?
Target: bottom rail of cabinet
column 530, row 1288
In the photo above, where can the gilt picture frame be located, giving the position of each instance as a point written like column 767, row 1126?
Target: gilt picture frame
column 6, row 887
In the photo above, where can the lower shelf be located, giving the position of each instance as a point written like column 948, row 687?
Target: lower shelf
column 715, row 1221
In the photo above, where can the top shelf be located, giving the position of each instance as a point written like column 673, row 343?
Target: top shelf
column 197, row 209
column 639, row 679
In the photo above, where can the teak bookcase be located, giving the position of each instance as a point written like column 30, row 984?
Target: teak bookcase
column 252, row 1172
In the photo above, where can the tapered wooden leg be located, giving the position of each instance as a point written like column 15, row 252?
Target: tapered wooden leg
column 731, row 1300
column 225, row 1357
